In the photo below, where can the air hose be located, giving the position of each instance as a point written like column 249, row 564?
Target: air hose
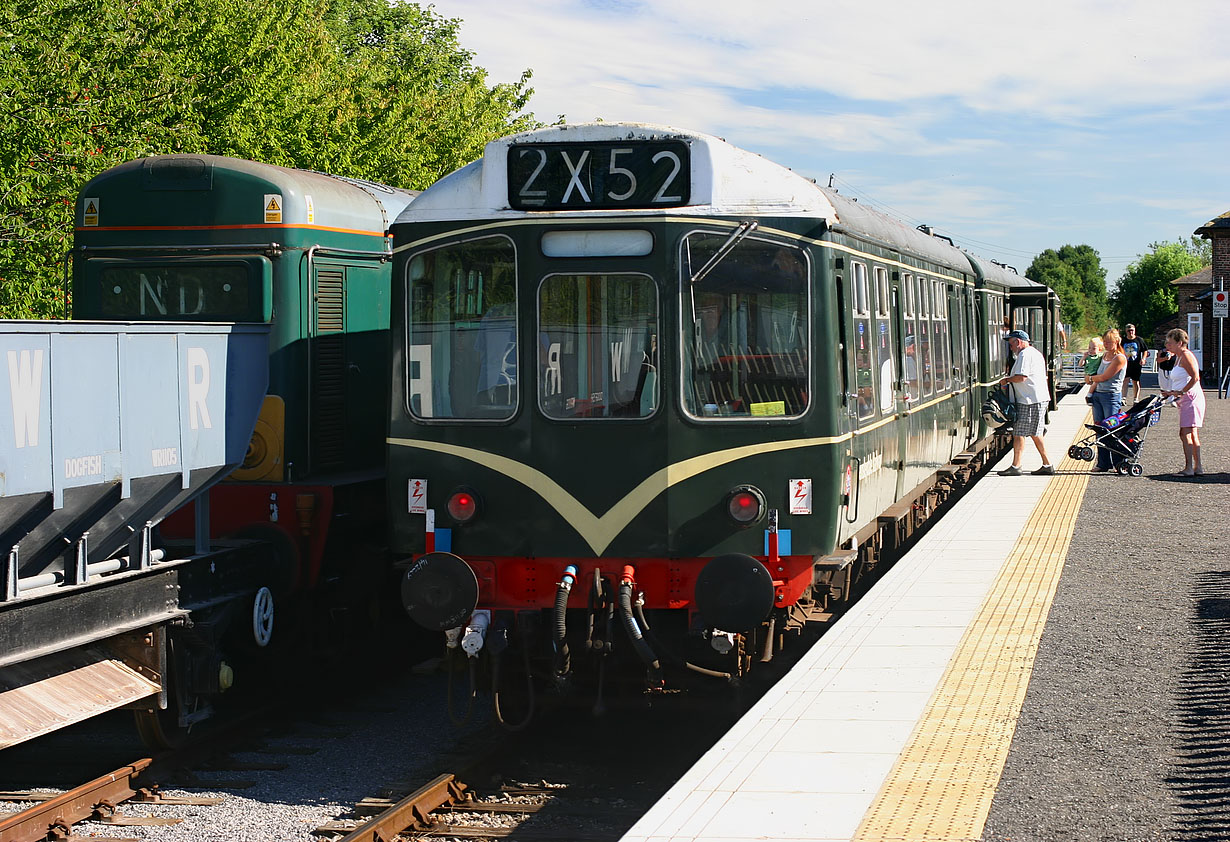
column 497, row 648
column 634, row 632
column 639, row 608
column 562, row 661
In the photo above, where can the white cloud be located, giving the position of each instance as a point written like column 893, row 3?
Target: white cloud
column 1023, row 125
column 1059, row 58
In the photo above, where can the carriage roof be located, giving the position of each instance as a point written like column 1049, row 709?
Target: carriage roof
column 725, row 181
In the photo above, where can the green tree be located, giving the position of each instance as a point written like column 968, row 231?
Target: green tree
column 1144, row 295
column 1077, row 276
column 361, row 88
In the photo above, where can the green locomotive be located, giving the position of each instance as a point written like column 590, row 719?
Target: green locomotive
column 203, row 238
column 692, row 383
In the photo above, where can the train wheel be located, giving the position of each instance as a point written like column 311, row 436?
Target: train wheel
column 158, row 728
column 262, row 617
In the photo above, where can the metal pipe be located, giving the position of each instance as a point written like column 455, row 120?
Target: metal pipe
column 97, row 568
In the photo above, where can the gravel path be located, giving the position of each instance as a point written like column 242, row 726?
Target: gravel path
column 1125, row 732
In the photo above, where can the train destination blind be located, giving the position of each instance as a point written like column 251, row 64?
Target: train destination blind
column 620, row 174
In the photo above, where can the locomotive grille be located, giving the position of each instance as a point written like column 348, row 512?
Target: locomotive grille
column 328, row 371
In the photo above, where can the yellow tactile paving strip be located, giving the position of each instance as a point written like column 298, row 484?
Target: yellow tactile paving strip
column 942, row 785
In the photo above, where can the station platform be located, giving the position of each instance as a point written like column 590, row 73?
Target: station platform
column 1030, row 670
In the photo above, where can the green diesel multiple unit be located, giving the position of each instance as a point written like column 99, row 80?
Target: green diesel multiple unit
column 678, row 376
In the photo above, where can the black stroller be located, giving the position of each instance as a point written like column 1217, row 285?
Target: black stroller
column 1123, row 435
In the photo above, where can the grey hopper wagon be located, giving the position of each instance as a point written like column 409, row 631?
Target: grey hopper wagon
column 104, row 430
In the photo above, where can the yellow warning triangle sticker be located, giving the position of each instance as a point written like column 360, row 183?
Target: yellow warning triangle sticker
column 273, row 204
column 90, row 209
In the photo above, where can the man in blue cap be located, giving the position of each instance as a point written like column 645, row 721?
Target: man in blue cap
column 1030, row 394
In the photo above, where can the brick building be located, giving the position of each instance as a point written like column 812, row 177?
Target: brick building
column 1194, row 296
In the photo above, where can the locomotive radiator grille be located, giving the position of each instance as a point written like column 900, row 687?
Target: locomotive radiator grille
column 328, row 370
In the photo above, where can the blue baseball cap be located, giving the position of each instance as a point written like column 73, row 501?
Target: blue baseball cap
column 1018, row 334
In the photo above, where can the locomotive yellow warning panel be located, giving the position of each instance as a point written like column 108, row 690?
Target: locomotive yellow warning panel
column 89, row 213
column 273, row 208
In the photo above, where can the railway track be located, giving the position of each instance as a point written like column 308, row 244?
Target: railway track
column 569, row 776
column 543, row 785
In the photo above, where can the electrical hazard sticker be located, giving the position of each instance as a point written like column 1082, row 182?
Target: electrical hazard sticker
column 418, row 497
column 273, row 208
column 800, row 496
column 89, row 213
column 311, row 211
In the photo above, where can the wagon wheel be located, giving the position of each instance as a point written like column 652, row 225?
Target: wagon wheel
column 157, row 728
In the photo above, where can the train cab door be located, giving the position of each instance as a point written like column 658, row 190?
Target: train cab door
column 853, row 325
column 959, row 322
column 349, row 320
column 906, row 381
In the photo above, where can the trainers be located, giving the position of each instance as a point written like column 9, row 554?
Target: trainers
column 1014, row 471
column 1044, row 471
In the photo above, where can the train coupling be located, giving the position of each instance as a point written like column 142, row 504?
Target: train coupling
column 722, row 641
column 475, row 634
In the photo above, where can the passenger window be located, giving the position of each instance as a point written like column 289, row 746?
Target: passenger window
column 883, row 341
column 461, row 348
column 746, row 329
column 864, row 344
column 939, row 337
column 598, row 346
column 925, row 368
column 909, row 363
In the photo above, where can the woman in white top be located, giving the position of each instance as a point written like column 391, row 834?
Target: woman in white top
column 1184, row 386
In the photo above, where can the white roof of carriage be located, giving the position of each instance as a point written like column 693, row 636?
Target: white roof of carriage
column 725, row 179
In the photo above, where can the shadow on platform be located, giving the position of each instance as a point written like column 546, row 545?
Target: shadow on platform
column 1201, row 785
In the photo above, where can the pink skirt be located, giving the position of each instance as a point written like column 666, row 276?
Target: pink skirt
column 1191, row 408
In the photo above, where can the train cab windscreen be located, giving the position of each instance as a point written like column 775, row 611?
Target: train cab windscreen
column 462, row 345
column 746, row 331
column 598, row 346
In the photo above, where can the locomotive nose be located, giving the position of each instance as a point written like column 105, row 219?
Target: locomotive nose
column 439, row 591
column 734, row 593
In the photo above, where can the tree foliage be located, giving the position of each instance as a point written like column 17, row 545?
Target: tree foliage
column 1144, row 295
column 1077, row 276
column 361, row 88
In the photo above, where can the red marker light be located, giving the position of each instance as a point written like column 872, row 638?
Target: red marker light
column 745, row 505
column 462, row 506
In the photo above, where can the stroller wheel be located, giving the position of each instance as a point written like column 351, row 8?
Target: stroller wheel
column 1087, row 454
column 1121, row 469
column 1074, row 452
column 1136, row 470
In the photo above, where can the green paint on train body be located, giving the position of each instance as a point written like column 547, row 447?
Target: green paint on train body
column 657, row 486
column 769, row 321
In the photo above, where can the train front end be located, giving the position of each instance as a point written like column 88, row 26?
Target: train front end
column 613, row 425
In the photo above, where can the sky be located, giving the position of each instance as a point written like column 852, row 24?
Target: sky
column 1010, row 127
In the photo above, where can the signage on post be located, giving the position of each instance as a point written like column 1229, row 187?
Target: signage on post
column 1221, row 304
